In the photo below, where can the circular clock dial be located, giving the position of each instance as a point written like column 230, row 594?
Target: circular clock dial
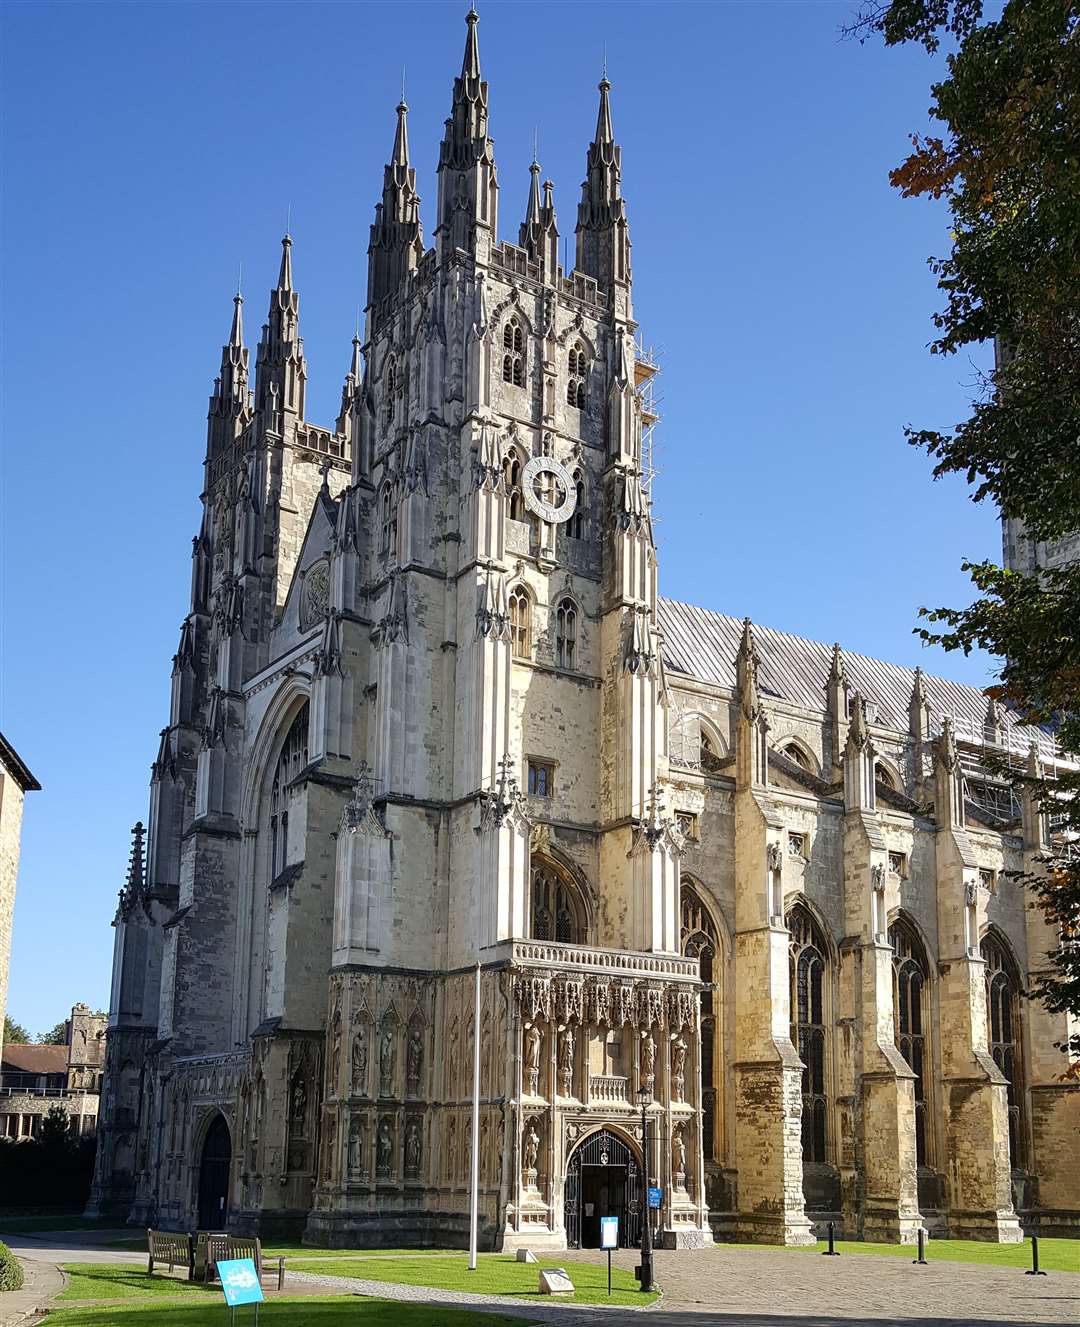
column 548, row 489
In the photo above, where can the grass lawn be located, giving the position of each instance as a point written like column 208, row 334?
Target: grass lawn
column 313, row 1311
column 1055, row 1255
column 293, row 1251
column 123, row 1281
column 496, row 1274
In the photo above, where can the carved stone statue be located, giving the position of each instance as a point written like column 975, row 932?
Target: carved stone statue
column 335, row 1053
column 387, row 1055
column 356, row 1145
column 412, row 1148
column 533, row 1041
column 299, row 1106
column 648, row 1060
column 566, row 1062
column 530, row 1154
column 359, row 1061
column 678, row 1155
column 385, row 1147
column 678, row 1067
column 414, row 1060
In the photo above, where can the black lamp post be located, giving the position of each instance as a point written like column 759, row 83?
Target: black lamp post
column 646, row 1269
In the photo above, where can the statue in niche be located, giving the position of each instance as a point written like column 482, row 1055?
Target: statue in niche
column 331, row 1145
column 530, row 1154
column 412, row 1148
column 566, row 1062
column 386, row 1147
column 359, row 1061
column 533, row 1040
column 678, row 1156
column 451, row 1057
column 335, row 1053
column 387, row 1055
column 299, row 1106
column 356, row 1145
column 414, row 1060
column 678, row 1067
column 648, row 1060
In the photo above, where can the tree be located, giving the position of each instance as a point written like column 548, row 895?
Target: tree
column 14, row 1033
column 57, row 1036
column 1008, row 167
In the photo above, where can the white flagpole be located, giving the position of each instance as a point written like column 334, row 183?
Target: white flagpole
column 474, row 1179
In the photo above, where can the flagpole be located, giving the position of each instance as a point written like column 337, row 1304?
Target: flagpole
column 474, row 1179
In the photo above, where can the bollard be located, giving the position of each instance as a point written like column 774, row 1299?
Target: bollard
column 1034, row 1258
column 922, row 1249
column 830, row 1252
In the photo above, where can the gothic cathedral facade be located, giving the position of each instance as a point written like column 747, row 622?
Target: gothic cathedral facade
column 734, row 901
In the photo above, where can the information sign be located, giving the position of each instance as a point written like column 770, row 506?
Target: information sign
column 655, row 1196
column 609, row 1232
column 239, row 1281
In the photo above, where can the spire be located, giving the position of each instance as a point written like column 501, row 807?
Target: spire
column 396, row 244
column 135, row 884
column 352, row 394
column 236, row 335
column 230, row 401
column 532, row 212
column 603, row 233
column 539, row 233
column 284, row 281
column 280, row 367
column 468, row 188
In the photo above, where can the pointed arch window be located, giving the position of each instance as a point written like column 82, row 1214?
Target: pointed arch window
column 1003, row 1029
column 515, row 496
column 577, row 373
column 796, row 754
column 911, row 1017
column 514, row 352
column 566, row 630
column 699, row 939
column 883, row 777
column 292, row 758
column 709, row 754
column 388, row 514
column 392, row 392
column 520, row 623
column 807, row 971
column 557, row 911
column 577, row 526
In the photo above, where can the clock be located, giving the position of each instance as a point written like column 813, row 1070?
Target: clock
column 548, row 489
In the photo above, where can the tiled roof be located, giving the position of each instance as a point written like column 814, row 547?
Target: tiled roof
column 32, row 1059
column 704, row 645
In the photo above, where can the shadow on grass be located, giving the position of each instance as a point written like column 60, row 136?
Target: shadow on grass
column 320, row 1312
column 122, row 1281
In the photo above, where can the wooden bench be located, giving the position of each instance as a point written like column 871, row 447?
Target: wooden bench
column 169, row 1246
column 241, row 1247
column 210, row 1245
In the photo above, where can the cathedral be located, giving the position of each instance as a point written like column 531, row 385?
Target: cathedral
column 737, row 904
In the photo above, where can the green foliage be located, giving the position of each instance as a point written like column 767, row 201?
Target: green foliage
column 311, row 1311
column 14, row 1033
column 11, row 1273
column 1008, row 166
column 56, row 1129
column 57, row 1036
column 125, row 1281
column 44, row 1172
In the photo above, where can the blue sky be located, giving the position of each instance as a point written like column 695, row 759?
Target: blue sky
column 150, row 148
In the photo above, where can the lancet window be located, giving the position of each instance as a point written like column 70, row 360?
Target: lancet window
column 520, row 623
column 515, row 497
column 708, row 754
column 807, row 968
column 577, row 526
column 910, row 1017
column 1003, row 1019
column 566, row 628
column 389, row 514
column 557, row 910
column 514, row 353
column 883, row 777
column 578, row 367
column 699, row 940
column 392, row 391
column 292, row 758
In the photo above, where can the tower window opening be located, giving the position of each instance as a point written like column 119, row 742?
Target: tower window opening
column 566, row 633
column 520, row 625
column 557, row 913
column 389, row 515
column 391, row 393
column 514, row 353
column 577, row 371
column 577, row 526
column 515, row 498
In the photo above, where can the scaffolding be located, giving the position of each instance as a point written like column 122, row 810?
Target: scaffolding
column 646, row 368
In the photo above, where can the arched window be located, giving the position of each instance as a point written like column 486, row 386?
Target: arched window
column 709, row 755
column 515, row 498
column 292, row 758
column 883, row 777
column 794, row 752
column 807, row 973
column 566, row 633
column 557, row 911
column 698, row 939
column 577, row 526
column 911, row 1017
column 391, row 389
column 520, row 626
column 514, row 353
column 577, row 371
column 1003, row 1028
column 389, row 514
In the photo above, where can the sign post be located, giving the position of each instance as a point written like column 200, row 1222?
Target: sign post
column 609, row 1239
column 240, row 1283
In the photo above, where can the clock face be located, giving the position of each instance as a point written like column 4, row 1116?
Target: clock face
column 548, row 489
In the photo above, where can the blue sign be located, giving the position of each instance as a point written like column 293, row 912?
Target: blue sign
column 654, row 1199
column 239, row 1281
column 609, row 1232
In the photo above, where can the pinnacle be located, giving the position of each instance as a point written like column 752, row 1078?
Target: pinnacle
column 604, row 131
column 470, row 65
column 285, row 273
column 236, row 334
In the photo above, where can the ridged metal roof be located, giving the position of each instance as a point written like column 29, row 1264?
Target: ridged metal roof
column 704, row 645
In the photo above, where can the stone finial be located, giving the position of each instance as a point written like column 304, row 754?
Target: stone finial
column 746, row 668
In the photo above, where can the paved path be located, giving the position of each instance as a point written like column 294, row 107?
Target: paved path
column 41, row 1280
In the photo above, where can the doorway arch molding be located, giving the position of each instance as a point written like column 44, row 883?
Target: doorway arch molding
column 603, row 1170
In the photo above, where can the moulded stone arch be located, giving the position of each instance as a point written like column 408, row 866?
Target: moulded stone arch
column 618, row 1131
column 893, row 780
column 551, row 858
column 808, row 761
column 280, row 713
column 511, row 306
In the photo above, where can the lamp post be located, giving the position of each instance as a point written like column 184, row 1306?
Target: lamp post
column 646, row 1279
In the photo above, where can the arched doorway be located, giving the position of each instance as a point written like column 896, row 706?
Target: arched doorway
column 214, row 1176
column 603, row 1178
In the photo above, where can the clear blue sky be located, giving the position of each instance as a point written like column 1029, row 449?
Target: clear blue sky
column 149, row 148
